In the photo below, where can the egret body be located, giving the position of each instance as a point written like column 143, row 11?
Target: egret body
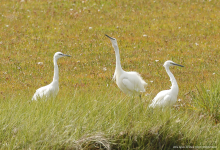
column 51, row 89
column 129, row 82
column 167, row 97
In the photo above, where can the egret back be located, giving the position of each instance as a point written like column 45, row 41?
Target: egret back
column 131, row 83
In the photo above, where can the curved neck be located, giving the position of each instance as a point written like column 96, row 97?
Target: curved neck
column 172, row 79
column 56, row 71
column 118, row 63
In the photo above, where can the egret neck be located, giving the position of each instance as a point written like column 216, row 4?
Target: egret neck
column 118, row 69
column 56, row 71
column 174, row 86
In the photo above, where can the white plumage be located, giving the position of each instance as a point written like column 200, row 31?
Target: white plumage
column 52, row 89
column 167, row 97
column 129, row 82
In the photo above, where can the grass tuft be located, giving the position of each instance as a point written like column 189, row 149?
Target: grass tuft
column 207, row 101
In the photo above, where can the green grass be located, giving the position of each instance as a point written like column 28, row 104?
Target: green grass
column 206, row 101
column 90, row 111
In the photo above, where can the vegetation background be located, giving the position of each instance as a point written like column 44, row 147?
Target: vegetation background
column 90, row 112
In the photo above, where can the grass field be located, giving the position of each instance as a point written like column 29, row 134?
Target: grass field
column 90, row 111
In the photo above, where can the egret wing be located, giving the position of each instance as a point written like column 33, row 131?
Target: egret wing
column 138, row 82
column 141, row 79
column 165, row 101
column 40, row 92
column 158, row 98
column 128, row 84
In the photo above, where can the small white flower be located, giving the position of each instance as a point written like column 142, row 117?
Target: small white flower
column 156, row 60
column 178, row 120
column 213, row 73
column 144, row 35
column 90, row 28
column 71, row 9
column 147, row 94
column 104, row 68
column 196, row 44
column 151, row 81
column 6, row 25
column 40, row 63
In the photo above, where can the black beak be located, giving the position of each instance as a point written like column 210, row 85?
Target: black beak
column 177, row 64
column 109, row 37
column 66, row 55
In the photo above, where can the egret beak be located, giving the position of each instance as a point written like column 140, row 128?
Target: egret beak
column 109, row 37
column 66, row 55
column 177, row 64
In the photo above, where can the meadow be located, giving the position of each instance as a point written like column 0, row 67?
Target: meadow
column 90, row 112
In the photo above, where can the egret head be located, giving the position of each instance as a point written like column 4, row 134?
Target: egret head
column 171, row 63
column 59, row 55
column 113, row 40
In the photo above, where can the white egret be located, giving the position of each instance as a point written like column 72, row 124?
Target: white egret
column 129, row 82
column 52, row 89
column 167, row 97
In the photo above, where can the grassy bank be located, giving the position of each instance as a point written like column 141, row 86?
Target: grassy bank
column 108, row 120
